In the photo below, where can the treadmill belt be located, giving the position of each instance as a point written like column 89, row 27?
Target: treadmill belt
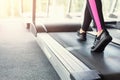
column 114, row 33
column 107, row 62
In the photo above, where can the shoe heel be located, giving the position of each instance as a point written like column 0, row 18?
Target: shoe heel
column 104, row 44
column 82, row 36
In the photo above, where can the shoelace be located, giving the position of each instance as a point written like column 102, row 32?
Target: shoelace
column 96, row 40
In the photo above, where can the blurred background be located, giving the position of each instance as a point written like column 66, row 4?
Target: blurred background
column 53, row 8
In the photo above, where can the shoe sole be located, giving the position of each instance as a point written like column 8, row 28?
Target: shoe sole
column 102, row 44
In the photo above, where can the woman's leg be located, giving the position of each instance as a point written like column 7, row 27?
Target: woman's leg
column 96, row 12
column 85, row 26
column 87, row 19
column 97, row 15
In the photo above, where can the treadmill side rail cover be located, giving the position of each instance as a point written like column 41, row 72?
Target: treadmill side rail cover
column 86, row 75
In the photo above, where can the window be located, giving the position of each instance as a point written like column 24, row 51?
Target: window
column 77, row 6
column 58, row 8
column 27, row 8
column 41, row 8
column 116, row 10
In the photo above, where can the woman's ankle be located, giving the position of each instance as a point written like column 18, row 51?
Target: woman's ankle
column 82, row 31
column 99, row 33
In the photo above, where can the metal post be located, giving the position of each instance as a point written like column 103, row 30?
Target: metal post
column 21, row 7
column 48, row 5
column 12, row 7
column 113, row 6
column 69, row 6
column 34, row 11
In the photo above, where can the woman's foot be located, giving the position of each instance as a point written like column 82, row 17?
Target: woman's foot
column 101, row 42
column 82, row 35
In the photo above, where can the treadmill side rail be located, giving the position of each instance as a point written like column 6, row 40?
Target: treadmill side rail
column 65, row 64
column 86, row 75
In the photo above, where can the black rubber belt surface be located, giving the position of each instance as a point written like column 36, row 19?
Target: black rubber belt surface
column 107, row 62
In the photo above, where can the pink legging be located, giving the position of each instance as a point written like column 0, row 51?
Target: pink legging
column 94, row 11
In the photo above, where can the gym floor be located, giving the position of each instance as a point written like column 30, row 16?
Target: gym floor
column 20, row 56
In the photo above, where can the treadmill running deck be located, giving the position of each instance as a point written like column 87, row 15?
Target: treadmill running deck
column 107, row 62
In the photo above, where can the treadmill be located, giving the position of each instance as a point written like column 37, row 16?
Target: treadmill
column 73, row 59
